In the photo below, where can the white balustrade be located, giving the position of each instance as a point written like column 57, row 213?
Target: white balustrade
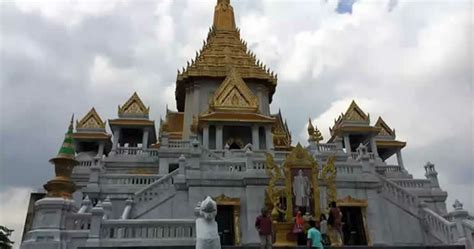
column 259, row 165
column 130, row 179
column 156, row 189
column 179, row 144
column 348, row 169
column 152, row 152
column 442, row 229
column 162, row 229
column 412, row 183
column 78, row 221
column 400, row 196
column 354, row 155
column 124, row 151
column 85, row 163
column 224, row 166
column 327, row 147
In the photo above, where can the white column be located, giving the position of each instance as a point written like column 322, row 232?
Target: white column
column 400, row 160
column 116, row 138
column 205, row 136
column 347, row 143
column 269, row 137
column 219, row 138
column 145, row 139
column 100, row 152
column 373, row 146
column 255, row 138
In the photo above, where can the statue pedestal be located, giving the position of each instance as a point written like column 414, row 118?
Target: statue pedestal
column 283, row 234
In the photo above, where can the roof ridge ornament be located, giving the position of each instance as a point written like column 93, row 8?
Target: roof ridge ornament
column 234, row 94
column 91, row 120
column 224, row 16
column 134, row 107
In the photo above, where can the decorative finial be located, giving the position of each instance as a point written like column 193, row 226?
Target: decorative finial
column 224, row 16
column 457, row 205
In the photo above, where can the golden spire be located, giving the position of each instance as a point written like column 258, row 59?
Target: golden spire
column 310, row 128
column 314, row 133
column 224, row 16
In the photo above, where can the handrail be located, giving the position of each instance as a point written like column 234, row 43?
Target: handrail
column 157, row 182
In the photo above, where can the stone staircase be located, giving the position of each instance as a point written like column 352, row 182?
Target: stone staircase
column 154, row 194
column 443, row 231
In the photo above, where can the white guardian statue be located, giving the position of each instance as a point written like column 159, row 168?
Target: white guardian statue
column 207, row 236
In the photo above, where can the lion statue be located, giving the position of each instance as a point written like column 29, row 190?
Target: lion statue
column 207, row 236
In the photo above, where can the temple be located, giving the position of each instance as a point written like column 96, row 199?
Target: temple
column 125, row 182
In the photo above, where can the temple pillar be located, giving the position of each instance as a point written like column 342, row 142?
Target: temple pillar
column 115, row 142
column 219, row 138
column 269, row 137
column 100, row 151
column 255, row 138
column 400, row 159
column 205, row 136
column 373, row 147
column 145, row 139
column 347, row 143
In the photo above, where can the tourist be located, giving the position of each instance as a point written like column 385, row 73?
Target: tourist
column 335, row 223
column 298, row 229
column 323, row 228
column 314, row 236
column 263, row 224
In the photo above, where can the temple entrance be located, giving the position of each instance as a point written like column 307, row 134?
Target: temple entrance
column 225, row 224
column 353, row 228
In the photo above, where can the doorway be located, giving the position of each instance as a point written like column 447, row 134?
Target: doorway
column 225, row 224
column 353, row 228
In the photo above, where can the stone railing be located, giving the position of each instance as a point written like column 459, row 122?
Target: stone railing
column 354, row 155
column 258, row 165
column 223, row 166
column 179, row 144
column 78, row 221
column 412, row 183
column 326, row 147
column 125, row 151
column 152, row 152
column 181, row 231
column 125, row 179
column 155, row 189
column 399, row 196
column 208, row 154
column 85, row 163
column 442, row 229
column 348, row 169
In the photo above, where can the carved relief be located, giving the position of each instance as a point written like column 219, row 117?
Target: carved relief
column 90, row 120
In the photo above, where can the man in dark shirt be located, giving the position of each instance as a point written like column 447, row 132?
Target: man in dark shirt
column 263, row 224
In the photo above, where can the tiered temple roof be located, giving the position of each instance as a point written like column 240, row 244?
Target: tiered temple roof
column 281, row 133
column 222, row 50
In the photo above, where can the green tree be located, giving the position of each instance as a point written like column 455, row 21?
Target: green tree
column 5, row 242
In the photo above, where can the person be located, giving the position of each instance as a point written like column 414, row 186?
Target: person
column 263, row 224
column 335, row 222
column 323, row 224
column 314, row 236
column 298, row 229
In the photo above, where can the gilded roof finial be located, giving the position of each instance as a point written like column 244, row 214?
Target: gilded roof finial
column 224, row 16
column 313, row 133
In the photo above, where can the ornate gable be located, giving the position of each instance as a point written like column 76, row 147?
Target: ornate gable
column 91, row 120
column 281, row 134
column 385, row 129
column 134, row 107
column 354, row 113
column 234, row 94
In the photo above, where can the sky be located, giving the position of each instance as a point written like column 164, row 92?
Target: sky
column 410, row 62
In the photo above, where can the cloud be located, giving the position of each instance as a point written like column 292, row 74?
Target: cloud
column 14, row 203
column 411, row 65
